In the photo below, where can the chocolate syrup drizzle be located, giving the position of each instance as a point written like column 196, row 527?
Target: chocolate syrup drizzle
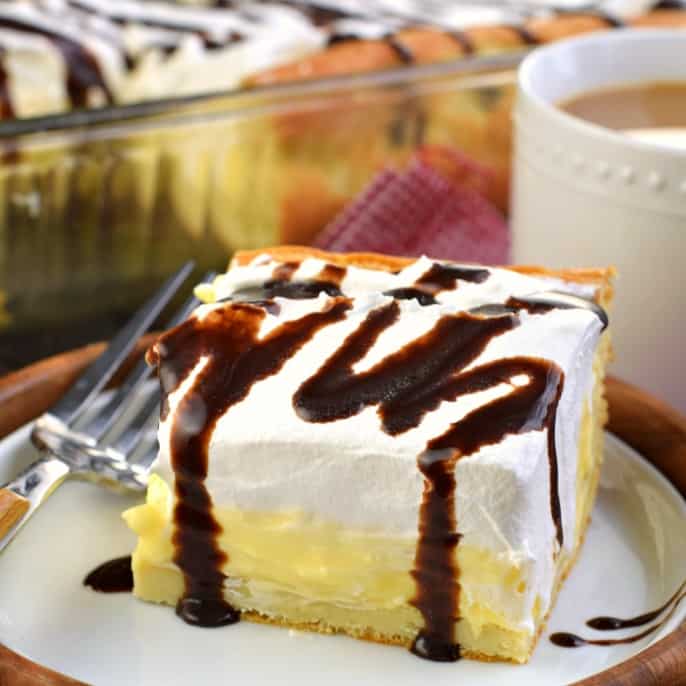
column 529, row 306
column 119, row 18
column 420, row 295
column 567, row 640
column 319, row 15
column 407, row 385
column 295, row 290
column 281, row 286
column 6, row 108
column 463, row 40
column 83, row 70
column 441, row 277
column 437, row 278
column 227, row 338
column 332, row 273
column 285, row 271
column 403, row 52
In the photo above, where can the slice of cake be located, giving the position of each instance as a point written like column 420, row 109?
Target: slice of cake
column 402, row 451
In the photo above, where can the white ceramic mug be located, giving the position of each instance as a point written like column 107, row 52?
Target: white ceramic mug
column 585, row 195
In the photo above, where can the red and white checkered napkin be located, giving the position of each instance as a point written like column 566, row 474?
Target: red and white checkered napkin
column 418, row 212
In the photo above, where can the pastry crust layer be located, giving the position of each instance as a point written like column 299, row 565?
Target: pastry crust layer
column 601, row 277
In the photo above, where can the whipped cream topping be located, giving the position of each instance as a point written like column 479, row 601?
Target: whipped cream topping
column 267, row 454
column 497, row 288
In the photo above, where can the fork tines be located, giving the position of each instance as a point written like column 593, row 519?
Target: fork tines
column 120, row 430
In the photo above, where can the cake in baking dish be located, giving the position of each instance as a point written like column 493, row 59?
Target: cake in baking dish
column 58, row 55
column 271, row 165
column 405, row 451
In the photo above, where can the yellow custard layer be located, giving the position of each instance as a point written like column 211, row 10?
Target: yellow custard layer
column 289, row 566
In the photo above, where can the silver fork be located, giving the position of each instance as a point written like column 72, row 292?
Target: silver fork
column 113, row 445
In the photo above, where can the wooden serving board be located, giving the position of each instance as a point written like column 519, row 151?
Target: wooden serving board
column 651, row 427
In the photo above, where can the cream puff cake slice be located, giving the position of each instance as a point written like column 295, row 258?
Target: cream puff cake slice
column 405, row 451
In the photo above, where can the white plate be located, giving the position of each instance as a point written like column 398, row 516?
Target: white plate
column 633, row 559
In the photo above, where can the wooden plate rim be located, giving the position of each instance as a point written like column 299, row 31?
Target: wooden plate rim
column 651, row 427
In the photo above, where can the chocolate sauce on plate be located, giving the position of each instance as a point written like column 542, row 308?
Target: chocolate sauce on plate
column 614, row 623
column 113, row 576
column 567, row 640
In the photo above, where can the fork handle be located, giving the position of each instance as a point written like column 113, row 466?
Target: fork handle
column 21, row 497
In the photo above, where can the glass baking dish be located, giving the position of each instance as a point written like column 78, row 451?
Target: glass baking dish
column 96, row 207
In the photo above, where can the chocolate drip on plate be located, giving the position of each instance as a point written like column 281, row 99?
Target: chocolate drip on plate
column 442, row 277
column 113, row 576
column 614, row 623
column 227, row 338
column 404, row 387
column 568, row 640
